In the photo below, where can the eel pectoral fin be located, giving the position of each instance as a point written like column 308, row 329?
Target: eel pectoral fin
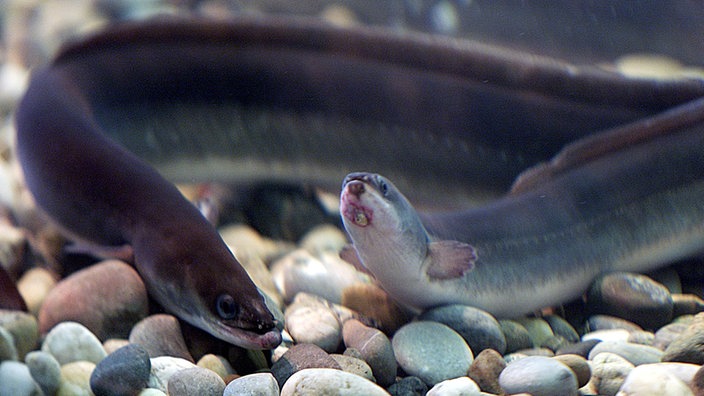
column 450, row 259
column 349, row 254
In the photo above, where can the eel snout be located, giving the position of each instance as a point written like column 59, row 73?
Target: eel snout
column 352, row 206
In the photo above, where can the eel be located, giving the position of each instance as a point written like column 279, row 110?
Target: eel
column 286, row 100
column 627, row 199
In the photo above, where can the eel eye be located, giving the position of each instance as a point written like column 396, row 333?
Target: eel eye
column 383, row 187
column 226, row 306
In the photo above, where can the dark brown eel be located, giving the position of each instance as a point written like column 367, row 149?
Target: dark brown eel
column 294, row 101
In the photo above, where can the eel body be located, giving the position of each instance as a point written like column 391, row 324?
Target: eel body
column 629, row 199
column 286, row 101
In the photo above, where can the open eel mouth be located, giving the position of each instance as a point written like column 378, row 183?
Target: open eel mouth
column 352, row 208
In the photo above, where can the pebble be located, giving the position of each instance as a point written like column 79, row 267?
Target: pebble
column 606, row 322
column 538, row 329
column 688, row 347
column 374, row 347
column 311, row 322
column 516, row 336
column 697, row 383
column 635, row 353
column 70, row 341
column 8, row 350
column 160, row 335
column 478, row 328
column 609, row 371
column 408, row 386
column 668, row 333
column 325, row 381
column 195, row 381
column 24, row 330
column 653, row 380
column 608, row 335
column 485, row 370
column 631, row 296
column 641, row 337
column 299, row 357
column 560, row 327
column 578, row 365
column 125, row 371
column 113, row 344
column 75, row 379
column 34, row 286
column 108, row 298
column 324, row 238
column 581, row 348
column 16, row 380
column 431, row 351
column 686, row 304
column 45, row 370
column 539, row 376
column 354, row 365
column 462, row 386
column 372, row 302
column 163, row 367
column 260, row 384
column 218, row 364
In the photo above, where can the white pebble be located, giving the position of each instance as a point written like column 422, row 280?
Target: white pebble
column 163, row 367
column 331, row 382
column 260, row 384
column 462, row 386
column 70, row 342
column 653, row 380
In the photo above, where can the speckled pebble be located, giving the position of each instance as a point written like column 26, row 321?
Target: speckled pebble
column 478, row 328
column 653, row 380
column 217, row 364
column 431, row 351
column 354, row 365
column 16, row 380
column 195, row 381
column 485, row 370
column 163, row 367
column 408, row 386
column 45, row 370
column 324, row 381
column 75, row 379
column 108, row 298
column 462, row 386
column 606, row 322
column 70, row 341
column 539, row 376
column 125, row 371
column 578, row 365
column 260, row 384
column 608, row 372
column 635, row 353
column 299, row 357
column 24, row 330
column 160, row 335
column 688, row 347
column 631, row 296
column 374, row 347
column 516, row 335
column 309, row 322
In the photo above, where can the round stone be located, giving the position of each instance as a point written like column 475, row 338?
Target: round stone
column 578, row 365
column 431, row 351
column 354, row 365
column 581, row 348
column 24, row 329
column 668, row 333
column 76, row 379
column 160, row 335
column 260, row 384
column 163, row 367
column 45, row 370
column 688, row 347
column 34, row 286
column 374, row 347
column 560, row 327
column 309, row 322
column 299, row 357
column 606, row 322
column 539, row 376
column 634, row 297
column 217, row 364
column 125, row 371
column 373, row 302
column 635, row 353
column 462, row 386
column 608, row 372
column 323, row 381
column 409, row 386
column 478, row 328
column 70, row 342
column 195, row 381
column 516, row 336
column 652, row 380
column 108, row 298
column 16, row 380
column 485, row 370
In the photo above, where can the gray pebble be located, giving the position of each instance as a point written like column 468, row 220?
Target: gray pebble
column 635, row 353
column 195, row 381
column 325, row 381
column 408, row 386
column 688, row 347
column 479, row 328
column 163, row 367
column 516, row 336
column 609, row 371
column 260, row 384
column 581, row 348
column 24, row 329
column 45, row 370
column 160, row 335
column 641, row 337
column 299, row 357
column 431, row 351
column 374, row 347
column 538, row 329
column 125, row 371
column 354, row 365
column 634, row 297
column 560, row 327
column 311, row 322
column 15, row 380
column 539, row 376
column 606, row 322
column 70, row 341
column 8, row 350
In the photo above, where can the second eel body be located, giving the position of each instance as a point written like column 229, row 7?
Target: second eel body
column 289, row 101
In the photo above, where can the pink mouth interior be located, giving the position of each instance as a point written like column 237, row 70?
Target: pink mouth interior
column 354, row 211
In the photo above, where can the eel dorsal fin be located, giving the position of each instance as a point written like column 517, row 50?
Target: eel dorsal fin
column 600, row 144
column 450, row 259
